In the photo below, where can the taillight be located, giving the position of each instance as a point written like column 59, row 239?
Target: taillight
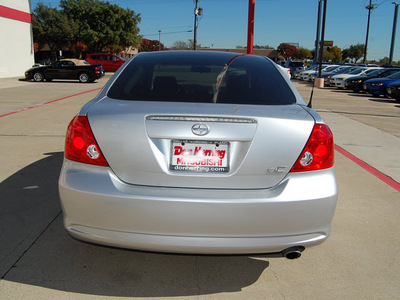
column 80, row 144
column 319, row 151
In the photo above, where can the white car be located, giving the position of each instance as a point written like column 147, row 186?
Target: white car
column 286, row 71
column 310, row 76
column 305, row 74
column 339, row 80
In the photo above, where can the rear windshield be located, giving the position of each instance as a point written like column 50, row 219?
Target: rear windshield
column 289, row 64
column 175, row 77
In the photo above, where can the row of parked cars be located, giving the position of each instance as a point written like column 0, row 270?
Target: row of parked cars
column 83, row 70
column 372, row 79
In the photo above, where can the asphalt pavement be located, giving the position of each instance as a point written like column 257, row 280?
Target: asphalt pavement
column 38, row 260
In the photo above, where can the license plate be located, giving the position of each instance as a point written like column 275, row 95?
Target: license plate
column 199, row 156
column 389, row 91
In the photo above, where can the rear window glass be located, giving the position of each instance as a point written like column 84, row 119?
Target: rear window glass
column 289, row 64
column 247, row 79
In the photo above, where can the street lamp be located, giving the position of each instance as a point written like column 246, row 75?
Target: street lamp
column 396, row 9
column 369, row 7
column 159, row 40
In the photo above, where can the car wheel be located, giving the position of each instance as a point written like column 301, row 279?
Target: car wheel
column 38, row 76
column 84, row 77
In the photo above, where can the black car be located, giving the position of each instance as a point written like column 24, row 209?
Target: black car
column 393, row 90
column 356, row 83
column 66, row 69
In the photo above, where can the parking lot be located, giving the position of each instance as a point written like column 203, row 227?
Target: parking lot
column 38, row 260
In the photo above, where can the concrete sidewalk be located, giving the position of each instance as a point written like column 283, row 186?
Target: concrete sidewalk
column 373, row 146
column 352, row 119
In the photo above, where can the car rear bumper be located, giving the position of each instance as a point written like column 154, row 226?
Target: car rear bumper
column 100, row 208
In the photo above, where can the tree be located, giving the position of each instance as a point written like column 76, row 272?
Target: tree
column 52, row 27
column 147, row 45
column 336, row 54
column 332, row 54
column 78, row 48
column 262, row 47
column 354, row 52
column 180, row 45
column 303, row 53
column 102, row 24
column 287, row 50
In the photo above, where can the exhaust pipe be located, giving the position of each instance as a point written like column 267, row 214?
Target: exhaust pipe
column 293, row 252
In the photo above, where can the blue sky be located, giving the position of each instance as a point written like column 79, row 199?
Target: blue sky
column 224, row 22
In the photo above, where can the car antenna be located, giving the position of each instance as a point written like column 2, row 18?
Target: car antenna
column 309, row 105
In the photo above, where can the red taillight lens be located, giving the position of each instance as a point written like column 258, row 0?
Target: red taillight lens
column 319, row 151
column 80, row 144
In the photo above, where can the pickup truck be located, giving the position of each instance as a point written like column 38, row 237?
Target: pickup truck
column 66, row 69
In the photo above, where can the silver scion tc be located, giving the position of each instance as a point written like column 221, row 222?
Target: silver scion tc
column 199, row 152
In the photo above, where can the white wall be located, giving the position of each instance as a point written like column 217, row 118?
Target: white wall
column 16, row 42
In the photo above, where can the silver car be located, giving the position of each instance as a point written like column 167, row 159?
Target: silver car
column 199, row 152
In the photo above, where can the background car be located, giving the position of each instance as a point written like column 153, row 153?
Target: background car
column 65, row 69
column 338, row 80
column 286, row 71
column 199, row 152
column 304, row 75
column 294, row 65
column 393, row 91
column 377, row 86
column 356, row 83
column 109, row 61
column 323, row 71
column 340, row 70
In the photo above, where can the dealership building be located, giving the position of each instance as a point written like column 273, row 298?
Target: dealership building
column 16, row 51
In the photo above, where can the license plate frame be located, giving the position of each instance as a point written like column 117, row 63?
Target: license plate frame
column 199, row 156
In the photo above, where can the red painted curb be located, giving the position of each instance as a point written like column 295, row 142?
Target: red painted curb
column 386, row 179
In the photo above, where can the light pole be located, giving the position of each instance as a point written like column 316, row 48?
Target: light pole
column 197, row 12
column 321, row 46
column 316, row 59
column 396, row 9
column 159, row 40
column 319, row 81
column 369, row 7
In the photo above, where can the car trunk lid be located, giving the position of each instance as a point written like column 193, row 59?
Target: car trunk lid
column 200, row 145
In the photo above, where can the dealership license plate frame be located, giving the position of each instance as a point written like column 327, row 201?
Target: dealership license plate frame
column 206, row 163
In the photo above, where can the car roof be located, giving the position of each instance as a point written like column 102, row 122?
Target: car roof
column 189, row 53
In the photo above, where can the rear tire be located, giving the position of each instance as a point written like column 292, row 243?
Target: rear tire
column 84, row 77
column 38, row 76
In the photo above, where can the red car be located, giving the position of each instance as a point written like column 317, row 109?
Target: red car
column 110, row 62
